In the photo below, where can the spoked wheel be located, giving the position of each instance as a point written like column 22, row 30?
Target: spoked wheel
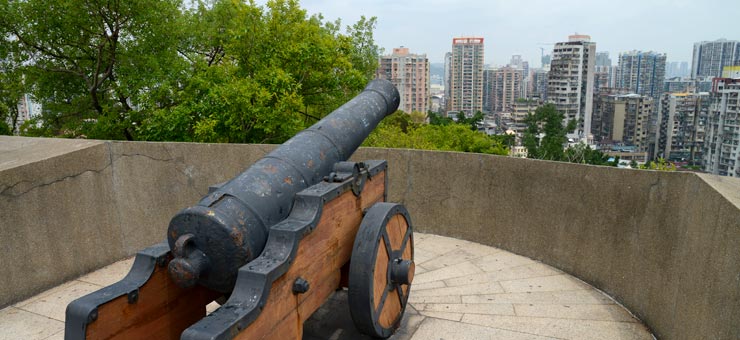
column 381, row 269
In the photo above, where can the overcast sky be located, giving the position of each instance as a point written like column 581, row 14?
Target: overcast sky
column 523, row 26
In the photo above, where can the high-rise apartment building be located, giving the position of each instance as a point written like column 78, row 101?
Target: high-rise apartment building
column 722, row 141
column 27, row 108
column 546, row 60
column 520, row 110
column 603, row 60
column 523, row 66
column 677, row 69
column 604, row 73
column 539, row 84
column 489, row 75
column 570, row 82
column 466, row 76
column 677, row 84
column 601, row 82
column 410, row 73
column 517, row 61
column 681, row 122
column 506, row 88
column 623, row 119
column 447, row 81
column 710, row 57
column 687, row 85
column 642, row 72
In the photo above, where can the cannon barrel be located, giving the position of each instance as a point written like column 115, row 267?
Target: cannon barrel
column 229, row 226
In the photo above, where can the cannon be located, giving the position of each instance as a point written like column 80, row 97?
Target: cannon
column 272, row 245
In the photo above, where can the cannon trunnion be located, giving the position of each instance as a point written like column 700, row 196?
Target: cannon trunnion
column 271, row 261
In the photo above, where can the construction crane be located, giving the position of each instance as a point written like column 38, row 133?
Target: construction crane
column 542, row 51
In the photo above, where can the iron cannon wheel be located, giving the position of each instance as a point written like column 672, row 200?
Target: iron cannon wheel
column 381, row 269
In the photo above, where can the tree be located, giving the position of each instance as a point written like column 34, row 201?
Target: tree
column 89, row 60
column 274, row 73
column 11, row 90
column 222, row 71
column 582, row 153
column 399, row 131
column 418, row 117
column 660, row 165
column 473, row 121
column 438, row 119
column 545, row 135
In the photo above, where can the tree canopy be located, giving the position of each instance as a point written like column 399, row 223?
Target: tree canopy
column 218, row 71
column 546, row 138
column 400, row 131
column 545, row 135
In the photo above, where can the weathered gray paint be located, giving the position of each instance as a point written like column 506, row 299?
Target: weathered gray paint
column 663, row 244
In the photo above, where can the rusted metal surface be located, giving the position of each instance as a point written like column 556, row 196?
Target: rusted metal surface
column 256, row 278
column 229, row 227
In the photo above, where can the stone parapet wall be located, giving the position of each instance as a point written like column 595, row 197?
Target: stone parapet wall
column 666, row 245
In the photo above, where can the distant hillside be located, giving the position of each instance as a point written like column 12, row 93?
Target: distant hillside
column 437, row 69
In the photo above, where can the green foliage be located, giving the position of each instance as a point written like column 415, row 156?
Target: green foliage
column 5, row 129
column 505, row 139
column 223, row 71
column 438, row 119
column 660, row 165
column 88, row 60
column 418, row 117
column 583, row 154
column 472, row 122
column 399, row 131
column 12, row 89
column 545, row 135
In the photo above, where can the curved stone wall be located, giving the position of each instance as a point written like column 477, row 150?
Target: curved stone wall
column 666, row 245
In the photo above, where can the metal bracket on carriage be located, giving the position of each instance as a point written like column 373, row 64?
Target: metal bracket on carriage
column 256, row 280
column 346, row 170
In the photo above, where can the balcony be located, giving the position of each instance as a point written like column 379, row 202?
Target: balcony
column 508, row 248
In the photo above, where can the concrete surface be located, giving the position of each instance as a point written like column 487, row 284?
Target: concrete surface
column 465, row 291
column 662, row 244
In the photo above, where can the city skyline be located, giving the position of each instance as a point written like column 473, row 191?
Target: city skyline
column 523, row 28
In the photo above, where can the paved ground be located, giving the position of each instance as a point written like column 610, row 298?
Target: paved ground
column 462, row 291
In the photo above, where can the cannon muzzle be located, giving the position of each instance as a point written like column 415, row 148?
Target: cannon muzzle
column 229, row 227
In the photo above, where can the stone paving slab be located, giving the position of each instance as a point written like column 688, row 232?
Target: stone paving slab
column 462, row 290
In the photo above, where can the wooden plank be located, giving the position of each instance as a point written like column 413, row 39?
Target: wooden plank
column 391, row 309
column 372, row 194
column 380, row 274
column 163, row 310
column 396, row 230
column 319, row 260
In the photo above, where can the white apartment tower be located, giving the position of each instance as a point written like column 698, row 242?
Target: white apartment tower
column 507, row 88
column 642, row 72
column 722, row 140
column 710, row 57
column 27, row 108
column 570, row 82
column 623, row 119
column 681, row 125
column 410, row 74
column 466, row 76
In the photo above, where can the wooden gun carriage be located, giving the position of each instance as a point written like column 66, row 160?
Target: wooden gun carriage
column 272, row 245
